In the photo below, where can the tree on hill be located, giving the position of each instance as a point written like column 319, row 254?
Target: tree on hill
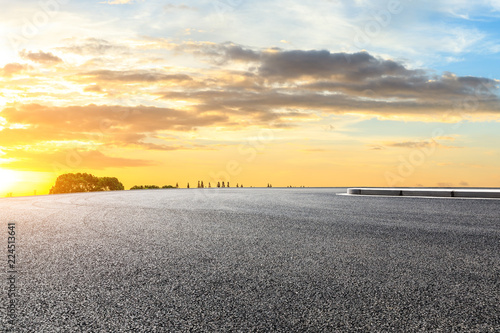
column 84, row 182
column 110, row 184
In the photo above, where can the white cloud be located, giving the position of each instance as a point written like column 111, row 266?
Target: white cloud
column 495, row 4
column 468, row 9
column 418, row 34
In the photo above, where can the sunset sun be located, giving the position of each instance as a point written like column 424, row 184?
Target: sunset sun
column 7, row 179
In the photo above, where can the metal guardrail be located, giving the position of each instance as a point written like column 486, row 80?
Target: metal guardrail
column 427, row 192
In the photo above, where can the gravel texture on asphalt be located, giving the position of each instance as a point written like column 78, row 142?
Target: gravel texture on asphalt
column 252, row 260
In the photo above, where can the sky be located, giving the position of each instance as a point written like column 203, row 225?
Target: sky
column 292, row 93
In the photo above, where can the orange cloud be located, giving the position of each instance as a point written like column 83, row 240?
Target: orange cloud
column 111, row 119
column 41, row 133
column 54, row 160
column 13, row 68
column 40, row 57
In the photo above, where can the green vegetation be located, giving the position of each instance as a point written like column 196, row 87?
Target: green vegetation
column 151, row 187
column 144, row 187
column 85, row 182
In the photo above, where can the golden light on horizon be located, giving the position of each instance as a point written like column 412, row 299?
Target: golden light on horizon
column 78, row 94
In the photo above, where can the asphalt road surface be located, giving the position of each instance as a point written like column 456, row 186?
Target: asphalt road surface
column 251, row 260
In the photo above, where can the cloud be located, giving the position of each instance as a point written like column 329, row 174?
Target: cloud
column 423, row 86
column 40, row 57
column 336, row 82
column 19, row 136
column 112, row 119
column 93, row 88
column 94, row 46
column 465, row 9
column 292, row 64
column 419, row 144
column 54, row 160
column 221, row 53
column 135, row 76
column 324, row 64
column 38, row 136
column 265, row 87
column 273, row 88
column 13, row 68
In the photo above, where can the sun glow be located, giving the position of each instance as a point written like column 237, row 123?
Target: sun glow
column 8, row 179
